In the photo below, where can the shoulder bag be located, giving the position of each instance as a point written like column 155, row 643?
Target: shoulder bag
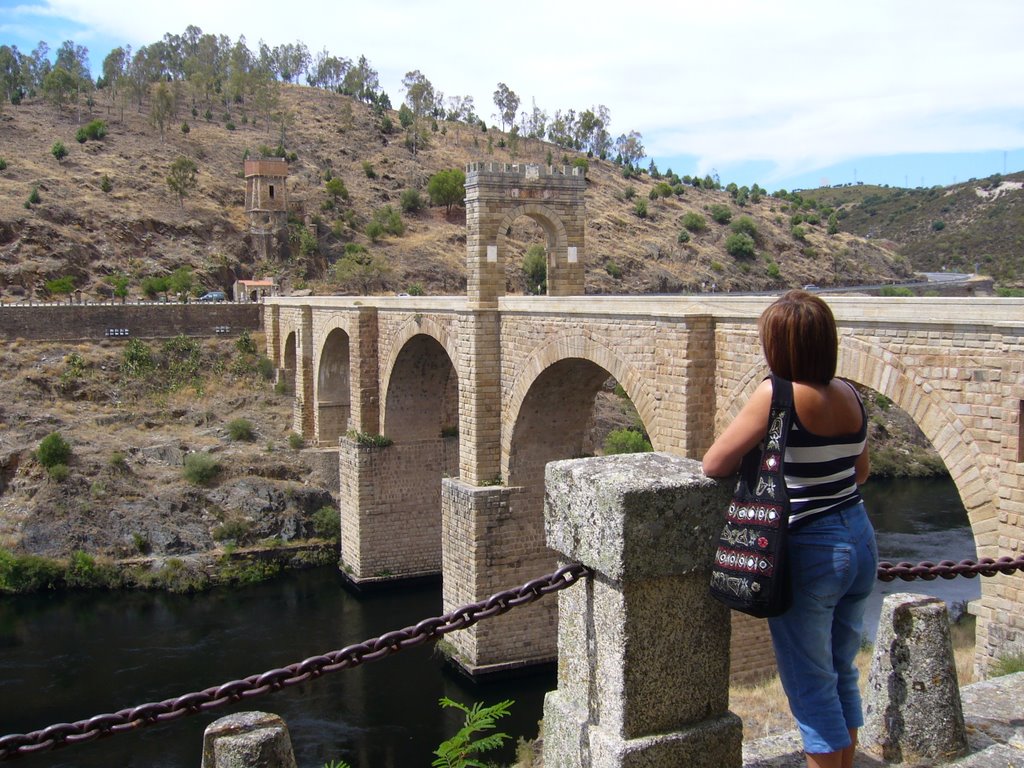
column 749, row 572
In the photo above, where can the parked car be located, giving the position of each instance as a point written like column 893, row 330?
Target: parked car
column 213, row 296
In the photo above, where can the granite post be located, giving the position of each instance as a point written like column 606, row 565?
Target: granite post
column 643, row 650
column 912, row 710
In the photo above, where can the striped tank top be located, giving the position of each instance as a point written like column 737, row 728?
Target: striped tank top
column 820, row 473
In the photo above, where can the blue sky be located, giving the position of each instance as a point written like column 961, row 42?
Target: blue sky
column 787, row 94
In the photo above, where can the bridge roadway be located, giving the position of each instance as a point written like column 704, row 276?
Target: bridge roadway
column 478, row 395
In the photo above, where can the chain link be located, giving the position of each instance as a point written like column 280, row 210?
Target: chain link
column 62, row 734
column 947, row 569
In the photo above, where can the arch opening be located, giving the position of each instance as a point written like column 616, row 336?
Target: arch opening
column 290, row 369
column 422, row 400
column 333, row 394
column 527, row 247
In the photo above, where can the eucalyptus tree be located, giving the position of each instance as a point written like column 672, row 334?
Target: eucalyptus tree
column 507, row 103
column 630, row 148
column 11, row 74
column 421, row 98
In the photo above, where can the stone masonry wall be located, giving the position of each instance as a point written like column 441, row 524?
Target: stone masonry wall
column 88, row 322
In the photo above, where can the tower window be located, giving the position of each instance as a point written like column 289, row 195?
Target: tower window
column 271, row 191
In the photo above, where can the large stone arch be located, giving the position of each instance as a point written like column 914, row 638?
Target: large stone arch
column 875, row 367
column 289, row 361
column 415, row 326
column 498, row 194
column 578, row 346
column 421, row 397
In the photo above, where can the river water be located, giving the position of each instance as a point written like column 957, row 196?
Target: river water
column 70, row 656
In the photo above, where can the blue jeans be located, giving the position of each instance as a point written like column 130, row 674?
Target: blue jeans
column 833, row 563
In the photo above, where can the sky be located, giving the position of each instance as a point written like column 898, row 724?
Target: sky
column 787, row 94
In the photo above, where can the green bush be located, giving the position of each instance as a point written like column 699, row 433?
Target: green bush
column 720, row 213
column 96, row 130
column 85, row 572
column 938, row 226
column 245, row 344
column 626, row 441
column 613, row 269
column 137, row 359
column 265, row 367
column 640, row 208
column 295, row 441
column 327, row 523
column 33, row 196
column 694, row 222
column 773, row 270
column 368, row 170
column 118, row 461
column 745, row 225
column 58, row 472
column 201, row 468
column 895, row 290
column 29, row 573
column 740, row 246
column 53, row 450
column 59, row 151
column 241, row 430
column 459, row 750
column 3, row 164
column 799, row 233
column 535, row 267
column 683, row 237
column 105, row 183
column 232, row 530
column 411, row 201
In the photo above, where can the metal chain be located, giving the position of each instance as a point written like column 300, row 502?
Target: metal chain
column 947, row 569
column 62, row 734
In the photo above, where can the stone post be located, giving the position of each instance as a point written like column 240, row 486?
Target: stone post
column 248, row 740
column 913, row 711
column 643, row 650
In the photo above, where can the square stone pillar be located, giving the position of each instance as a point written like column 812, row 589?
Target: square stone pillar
column 643, row 649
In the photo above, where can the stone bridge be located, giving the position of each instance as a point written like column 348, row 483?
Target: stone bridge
column 476, row 394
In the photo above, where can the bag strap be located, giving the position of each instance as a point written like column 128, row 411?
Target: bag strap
column 780, row 418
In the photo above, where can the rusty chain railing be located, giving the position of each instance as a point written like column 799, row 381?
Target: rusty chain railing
column 947, row 569
column 63, row 734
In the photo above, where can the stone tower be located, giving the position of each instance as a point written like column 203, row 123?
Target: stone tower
column 266, row 202
column 496, row 195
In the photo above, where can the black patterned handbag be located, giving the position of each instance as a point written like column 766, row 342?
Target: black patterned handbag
column 750, row 572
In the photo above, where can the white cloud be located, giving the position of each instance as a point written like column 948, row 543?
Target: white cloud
column 794, row 83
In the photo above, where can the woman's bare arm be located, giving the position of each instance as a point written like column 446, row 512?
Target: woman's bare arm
column 746, row 430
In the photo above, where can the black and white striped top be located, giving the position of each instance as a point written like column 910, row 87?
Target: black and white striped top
column 820, row 473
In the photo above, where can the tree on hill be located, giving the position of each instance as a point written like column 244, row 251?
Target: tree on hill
column 447, row 188
column 182, row 178
column 507, row 103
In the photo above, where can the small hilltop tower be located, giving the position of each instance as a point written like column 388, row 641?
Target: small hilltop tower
column 266, row 202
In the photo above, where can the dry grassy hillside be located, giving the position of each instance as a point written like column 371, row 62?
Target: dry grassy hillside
column 138, row 228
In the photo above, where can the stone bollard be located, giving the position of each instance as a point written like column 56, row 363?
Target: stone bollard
column 248, row 740
column 643, row 650
column 912, row 708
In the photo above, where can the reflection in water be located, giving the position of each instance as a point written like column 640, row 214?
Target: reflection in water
column 68, row 657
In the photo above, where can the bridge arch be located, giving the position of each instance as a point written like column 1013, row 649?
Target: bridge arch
column 289, row 362
column 333, row 393
column 580, row 348
column 875, row 367
column 554, row 231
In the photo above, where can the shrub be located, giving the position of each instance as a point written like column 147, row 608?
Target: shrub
column 368, row 439
column 95, row 130
column 694, row 222
column 938, row 226
column 28, row 573
column 626, row 441
column 683, row 237
column 295, row 441
column 581, row 162
column 745, row 225
column 241, row 430
column 895, row 290
column 106, row 184
column 613, row 269
column 411, row 201
column 799, row 233
column 720, row 213
column 33, row 196
column 327, row 523
column 58, row 472
column 265, row 368
column 3, row 164
column 185, row 129
column 137, row 360
column 740, row 245
column 118, row 461
column 201, row 468
column 59, row 285
column 629, row 193
column 53, row 450
column 245, row 344
column 368, row 170
column 773, row 270
column 84, row 571
column 458, row 751
column 59, row 151
column 640, row 208
column 232, row 530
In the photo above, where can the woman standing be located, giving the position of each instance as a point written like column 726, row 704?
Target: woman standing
column 832, row 554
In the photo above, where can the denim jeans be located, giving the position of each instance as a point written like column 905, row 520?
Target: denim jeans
column 833, row 564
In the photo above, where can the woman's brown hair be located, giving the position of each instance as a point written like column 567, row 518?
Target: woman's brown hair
column 799, row 338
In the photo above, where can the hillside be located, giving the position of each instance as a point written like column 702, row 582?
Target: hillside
column 138, row 229
column 977, row 225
